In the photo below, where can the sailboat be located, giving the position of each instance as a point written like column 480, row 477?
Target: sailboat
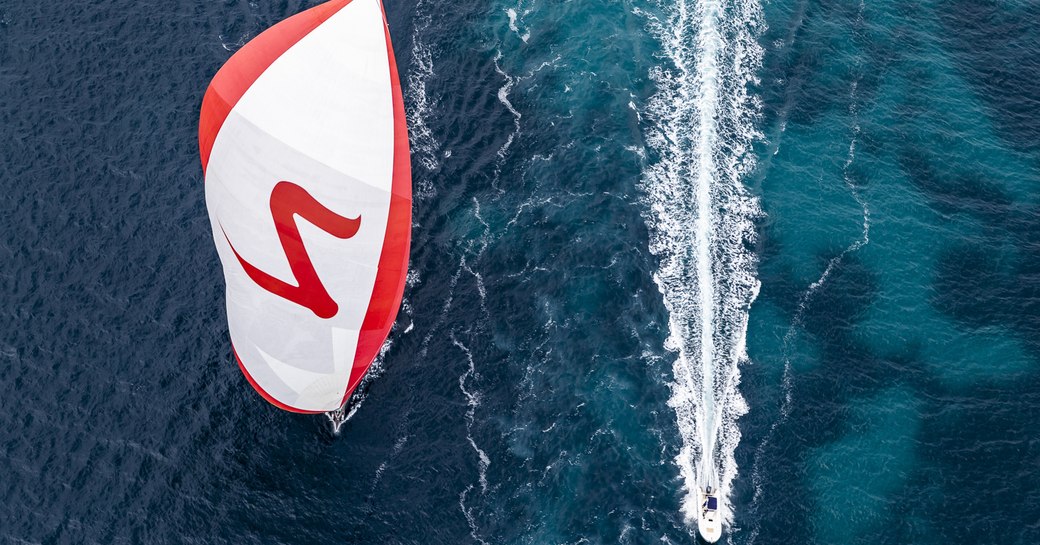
column 304, row 150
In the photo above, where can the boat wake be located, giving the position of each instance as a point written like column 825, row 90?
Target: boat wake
column 425, row 147
column 806, row 298
column 701, row 218
column 472, row 402
column 342, row 415
column 517, row 17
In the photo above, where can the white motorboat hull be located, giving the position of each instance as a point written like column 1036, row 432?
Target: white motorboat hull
column 709, row 524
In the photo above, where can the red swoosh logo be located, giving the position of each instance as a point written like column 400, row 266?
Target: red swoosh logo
column 287, row 201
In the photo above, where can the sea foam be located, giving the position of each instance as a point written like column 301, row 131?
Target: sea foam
column 701, row 219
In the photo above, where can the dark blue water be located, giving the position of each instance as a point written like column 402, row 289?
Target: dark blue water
column 872, row 177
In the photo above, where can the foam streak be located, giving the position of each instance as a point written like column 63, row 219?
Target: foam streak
column 787, row 385
column 701, row 220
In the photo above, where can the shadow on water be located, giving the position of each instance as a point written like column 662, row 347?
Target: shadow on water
column 973, row 473
column 996, row 44
column 952, row 189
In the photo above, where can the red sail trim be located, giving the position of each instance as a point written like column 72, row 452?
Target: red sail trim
column 245, row 66
column 393, row 259
column 289, row 200
column 268, row 397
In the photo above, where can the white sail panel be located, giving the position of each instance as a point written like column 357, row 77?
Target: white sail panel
column 299, row 184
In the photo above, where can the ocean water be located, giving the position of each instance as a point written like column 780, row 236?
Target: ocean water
column 786, row 248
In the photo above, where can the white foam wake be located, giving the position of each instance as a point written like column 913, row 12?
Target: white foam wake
column 472, row 402
column 701, row 222
column 425, row 147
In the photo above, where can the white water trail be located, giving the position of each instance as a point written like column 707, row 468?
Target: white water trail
column 360, row 393
column 472, row 402
column 425, row 147
column 702, row 224
column 474, row 531
column 503, row 97
column 787, row 386
column 516, row 16
column 476, row 249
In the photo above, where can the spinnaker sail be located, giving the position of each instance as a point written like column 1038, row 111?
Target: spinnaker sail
column 304, row 149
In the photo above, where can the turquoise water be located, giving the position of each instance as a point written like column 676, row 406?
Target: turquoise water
column 903, row 172
column 786, row 248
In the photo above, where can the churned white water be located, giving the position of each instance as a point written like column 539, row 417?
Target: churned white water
column 703, row 123
column 424, row 145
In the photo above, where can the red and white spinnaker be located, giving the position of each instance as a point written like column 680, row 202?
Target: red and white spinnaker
column 305, row 153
